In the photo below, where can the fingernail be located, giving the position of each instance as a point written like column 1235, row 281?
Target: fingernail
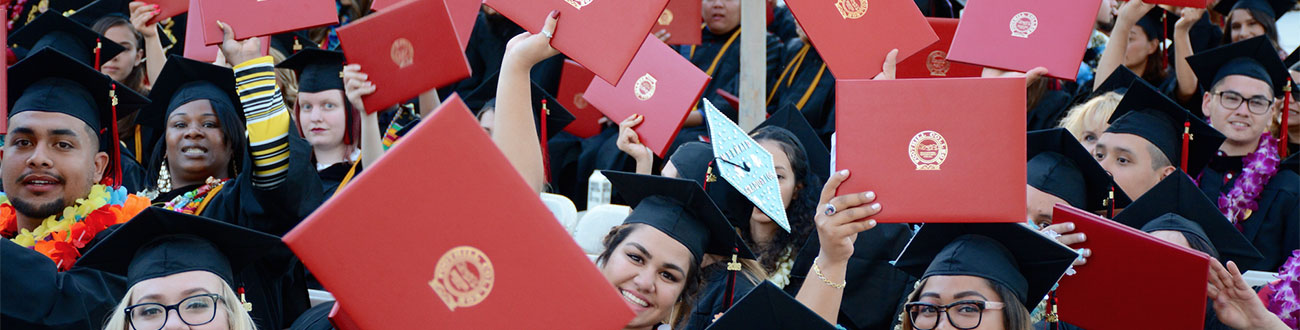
column 553, row 14
column 870, row 195
column 1069, row 226
column 871, row 222
column 844, row 172
column 155, row 6
column 875, row 206
column 1087, row 252
column 1083, row 237
column 159, row 10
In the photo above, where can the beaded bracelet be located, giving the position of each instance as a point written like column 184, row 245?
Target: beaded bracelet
column 818, row 271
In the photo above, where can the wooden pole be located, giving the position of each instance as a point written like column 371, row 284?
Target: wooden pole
column 753, row 63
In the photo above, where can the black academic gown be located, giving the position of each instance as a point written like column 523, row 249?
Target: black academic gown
column 1049, row 110
column 876, row 290
column 37, row 296
column 1274, row 228
column 276, row 284
column 712, row 298
column 819, row 107
column 726, row 75
column 332, row 176
column 316, row 318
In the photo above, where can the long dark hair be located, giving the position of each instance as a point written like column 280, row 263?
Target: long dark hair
column 803, row 205
column 685, row 301
column 1268, row 22
column 229, row 114
column 1014, row 313
column 135, row 80
column 1154, row 72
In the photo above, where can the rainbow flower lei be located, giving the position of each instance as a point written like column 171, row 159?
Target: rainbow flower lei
column 61, row 235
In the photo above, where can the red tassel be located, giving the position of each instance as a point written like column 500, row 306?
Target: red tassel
column 98, row 46
column 1164, row 34
column 733, row 268
column 546, row 167
column 114, row 154
column 1110, row 201
column 1187, row 138
column 1282, row 147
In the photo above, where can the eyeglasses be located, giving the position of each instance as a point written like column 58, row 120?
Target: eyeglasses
column 193, row 310
column 1232, row 100
column 967, row 315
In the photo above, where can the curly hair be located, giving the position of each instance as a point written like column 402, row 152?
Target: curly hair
column 803, row 205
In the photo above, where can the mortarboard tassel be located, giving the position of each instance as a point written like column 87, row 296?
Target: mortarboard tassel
column 733, row 267
column 1187, row 138
column 1110, row 202
column 546, row 161
column 98, row 46
column 1164, row 34
column 296, row 46
column 116, row 167
column 1282, row 147
column 1053, row 320
column 248, row 307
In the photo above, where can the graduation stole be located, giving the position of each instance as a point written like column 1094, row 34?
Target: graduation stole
column 195, row 201
column 61, row 235
column 1256, row 170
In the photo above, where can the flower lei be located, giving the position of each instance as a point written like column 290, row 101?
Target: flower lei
column 191, row 202
column 1283, row 302
column 1258, row 167
column 781, row 276
column 61, row 235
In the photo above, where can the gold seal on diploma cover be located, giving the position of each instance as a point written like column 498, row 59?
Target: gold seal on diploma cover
column 463, row 277
column 938, row 63
column 851, row 9
column 403, row 52
column 666, row 17
column 579, row 101
column 1023, row 24
column 579, row 3
column 927, row 150
column 645, row 87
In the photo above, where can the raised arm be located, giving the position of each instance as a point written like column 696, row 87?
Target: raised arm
column 1116, row 46
column 154, row 56
column 356, row 85
column 839, row 220
column 1183, row 48
column 516, row 133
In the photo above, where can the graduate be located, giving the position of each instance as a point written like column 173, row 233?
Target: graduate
column 326, row 118
column 227, row 154
column 1242, row 83
column 1290, row 119
column 806, row 84
column 1136, row 43
column 60, row 171
column 174, row 261
column 1060, row 171
column 1245, row 19
column 1089, row 119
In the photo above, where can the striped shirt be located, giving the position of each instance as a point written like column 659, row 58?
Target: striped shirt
column 267, row 121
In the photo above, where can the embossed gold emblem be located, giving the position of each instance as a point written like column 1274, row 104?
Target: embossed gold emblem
column 1023, row 24
column 938, row 63
column 579, row 101
column 645, row 87
column 403, row 52
column 579, row 3
column 666, row 17
column 927, row 150
column 463, row 277
column 851, row 9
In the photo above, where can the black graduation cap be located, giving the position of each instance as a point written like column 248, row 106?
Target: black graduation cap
column 158, row 243
column 1151, row 23
column 1060, row 166
column 681, row 209
column 1118, row 81
column 1153, row 116
column 694, row 161
column 1177, row 195
column 318, row 69
column 789, row 118
column 92, row 12
column 1010, row 254
column 557, row 116
column 183, row 80
column 1292, row 59
column 290, row 43
column 52, row 30
column 767, row 307
column 1254, row 57
column 1273, row 8
column 49, row 80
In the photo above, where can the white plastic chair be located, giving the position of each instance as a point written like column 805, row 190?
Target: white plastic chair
column 593, row 226
column 563, row 209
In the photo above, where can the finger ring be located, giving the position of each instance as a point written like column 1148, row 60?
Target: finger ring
column 830, row 209
column 547, row 34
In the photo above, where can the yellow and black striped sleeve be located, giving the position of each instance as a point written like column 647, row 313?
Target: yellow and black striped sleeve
column 267, row 121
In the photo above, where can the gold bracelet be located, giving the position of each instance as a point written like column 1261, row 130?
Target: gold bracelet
column 818, row 270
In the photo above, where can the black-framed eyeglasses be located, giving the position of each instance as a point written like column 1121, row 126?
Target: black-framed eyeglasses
column 968, row 315
column 1232, row 100
column 193, row 310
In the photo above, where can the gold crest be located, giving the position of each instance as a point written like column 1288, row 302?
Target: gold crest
column 927, row 150
column 851, row 9
column 1023, row 24
column 463, row 277
column 666, row 17
column 579, row 101
column 645, row 87
column 579, row 3
column 938, row 63
column 403, row 52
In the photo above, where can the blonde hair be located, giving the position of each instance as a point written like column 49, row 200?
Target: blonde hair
column 236, row 316
column 1093, row 113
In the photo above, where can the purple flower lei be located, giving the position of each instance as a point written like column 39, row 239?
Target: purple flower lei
column 1283, row 302
column 1257, row 168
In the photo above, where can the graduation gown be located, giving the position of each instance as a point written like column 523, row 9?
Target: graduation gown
column 725, row 74
column 1049, row 110
column 37, row 296
column 876, row 290
column 712, row 297
column 1274, row 228
column 332, row 176
column 808, row 85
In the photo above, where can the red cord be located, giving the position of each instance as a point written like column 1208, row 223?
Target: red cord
column 1282, row 147
column 1187, row 138
column 546, row 168
column 98, row 46
column 116, row 155
column 1164, row 34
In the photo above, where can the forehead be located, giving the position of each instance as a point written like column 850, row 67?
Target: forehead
column 1130, row 142
column 662, row 247
column 42, row 121
column 948, row 286
column 172, row 287
column 119, row 34
column 194, row 108
column 1244, row 85
column 1035, row 195
column 325, row 95
column 778, row 154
